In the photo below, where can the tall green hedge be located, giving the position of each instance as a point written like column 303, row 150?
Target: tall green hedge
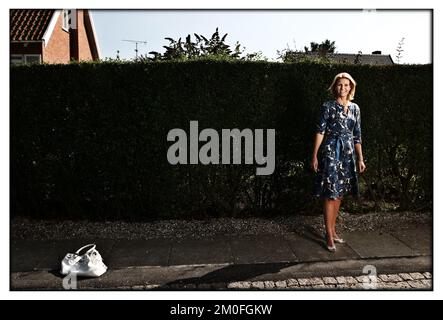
column 89, row 140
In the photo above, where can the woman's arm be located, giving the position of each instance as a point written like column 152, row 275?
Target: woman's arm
column 317, row 142
column 361, row 162
column 357, row 142
column 321, row 128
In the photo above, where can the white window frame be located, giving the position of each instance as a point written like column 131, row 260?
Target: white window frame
column 69, row 20
column 65, row 20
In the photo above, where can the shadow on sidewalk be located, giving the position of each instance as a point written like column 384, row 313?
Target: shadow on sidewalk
column 231, row 273
column 310, row 233
column 243, row 272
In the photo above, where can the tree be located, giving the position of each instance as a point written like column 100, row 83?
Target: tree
column 316, row 52
column 399, row 50
column 357, row 59
column 255, row 56
column 214, row 47
column 321, row 49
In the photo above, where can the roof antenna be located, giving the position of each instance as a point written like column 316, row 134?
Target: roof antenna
column 136, row 45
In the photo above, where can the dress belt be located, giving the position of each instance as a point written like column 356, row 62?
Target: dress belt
column 339, row 146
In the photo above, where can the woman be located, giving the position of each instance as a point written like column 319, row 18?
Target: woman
column 341, row 153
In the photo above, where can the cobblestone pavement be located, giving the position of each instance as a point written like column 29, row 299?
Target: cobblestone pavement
column 398, row 281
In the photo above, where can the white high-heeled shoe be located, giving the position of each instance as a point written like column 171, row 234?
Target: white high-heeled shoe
column 339, row 240
column 330, row 248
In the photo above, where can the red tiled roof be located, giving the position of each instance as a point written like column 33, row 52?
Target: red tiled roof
column 29, row 25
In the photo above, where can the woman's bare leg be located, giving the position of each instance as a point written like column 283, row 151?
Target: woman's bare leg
column 329, row 217
column 337, row 204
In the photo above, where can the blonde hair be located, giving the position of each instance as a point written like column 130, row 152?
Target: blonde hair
column 343, row 75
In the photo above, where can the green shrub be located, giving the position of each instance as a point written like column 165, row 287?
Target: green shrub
column 89, row 139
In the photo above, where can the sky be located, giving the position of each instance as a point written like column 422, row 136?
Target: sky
column 270, row 30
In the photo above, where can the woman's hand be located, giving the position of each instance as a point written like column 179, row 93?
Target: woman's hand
column 361, row 166
column 314, row 164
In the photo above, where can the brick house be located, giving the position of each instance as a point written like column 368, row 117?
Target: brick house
column 52, row 36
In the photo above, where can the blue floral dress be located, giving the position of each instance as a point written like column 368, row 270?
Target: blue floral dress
column 337, row 174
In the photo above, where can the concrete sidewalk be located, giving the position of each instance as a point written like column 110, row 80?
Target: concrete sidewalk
column 162, row 263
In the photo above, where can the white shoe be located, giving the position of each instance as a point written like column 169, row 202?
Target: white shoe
column 330, row 248
column 339, row 240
